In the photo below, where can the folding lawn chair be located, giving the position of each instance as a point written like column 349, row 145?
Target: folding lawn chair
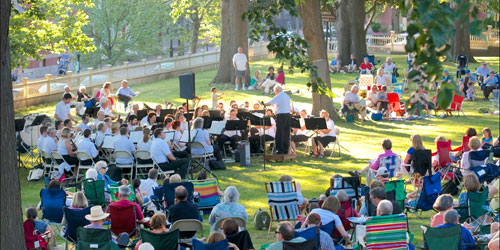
column 165, row 241
column 486, row 173
column 421, row 165
column 282, row 200
column 83, row 163
column 169, row 191
column 123, row 219
column 60, row 160
column 74, row 218
column 387, row 232
column 91, row 239
column 394, row 104
column 208, row 194
column 308, row 234
column 241, row 239
column 187, row 229
column 240, row 221
column 53, row 202
column 199, row 159
column 396, row 191
column 429, row 192
column 475, row 213
column 158, row 199
column 392, row 163
column 221, row 245
column 145, row 156
column 47, row 163
column 309, row 245
column 456, row 105
column 119, row 154
column 30, row 238
column 442, row 238
column 478, row 158
column 443, row 159
column 94, row 191
column 113, row 190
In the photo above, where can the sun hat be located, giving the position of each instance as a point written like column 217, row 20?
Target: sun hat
column 445, row 70
column 383, row 172
column 96, row 214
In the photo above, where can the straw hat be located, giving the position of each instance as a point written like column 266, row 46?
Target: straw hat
column 96, row 214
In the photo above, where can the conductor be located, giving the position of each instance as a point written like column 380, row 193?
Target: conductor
column 281, row 102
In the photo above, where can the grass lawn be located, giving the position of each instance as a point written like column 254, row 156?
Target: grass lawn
column 361, row 139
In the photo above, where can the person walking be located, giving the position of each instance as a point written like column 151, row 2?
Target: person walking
column 281, row 102
column 240, row 64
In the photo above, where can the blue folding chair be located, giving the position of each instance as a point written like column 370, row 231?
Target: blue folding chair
column 53, row 202
column 75, row 218
column 169, row 191
column 478, row 158
column 328, row 228
column 221, row 245
column 308, row 233
column 431, row 189
column 282, row 200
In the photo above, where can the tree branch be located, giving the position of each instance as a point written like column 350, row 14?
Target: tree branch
column 374, row 9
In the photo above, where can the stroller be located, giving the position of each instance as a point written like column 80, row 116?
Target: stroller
column 462, row 64
column 62, row 64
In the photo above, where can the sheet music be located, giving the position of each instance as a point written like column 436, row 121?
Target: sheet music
column 135, row 136
column 260, row 115
column 109, row 141
column 217, row 127
column 184, row 137
column 78, row 138
column 169, row 136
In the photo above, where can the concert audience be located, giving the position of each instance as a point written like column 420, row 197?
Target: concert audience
column 105, row 93
column 474, row 145
column 442, row 204
column 352, row 66
column 228, row 208
column 285, row 232
column 352, row 103
column 158, row 225
column 183, row 209
column 328, row 213
column 215, row 97
column 314, row 220
column 101, row 167
column 123, row 193
column 451, row 218
column 336, row 64
column 303, row 202
column 125, row 93
column 366, row 67
column 374, row 165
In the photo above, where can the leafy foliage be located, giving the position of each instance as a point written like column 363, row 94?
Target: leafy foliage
column 429, row 33
column 288, row 47
column 39, row 27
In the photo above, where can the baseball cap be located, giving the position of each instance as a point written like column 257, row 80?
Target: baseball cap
column 467, row 71
column 445, row 70
column 383, row 172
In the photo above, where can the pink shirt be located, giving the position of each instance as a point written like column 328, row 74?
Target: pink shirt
column 125, row 203
column 376, row 164
column 280, row 78
column 437, row 219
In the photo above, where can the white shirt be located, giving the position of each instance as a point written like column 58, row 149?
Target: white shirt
column 62, row 110
column 96, row 121
column 184, row 126
column 271, row 131
column 373, row 97
column 327, row 216
column 147, row 186
column 281, row 103
column 351, row 97
column 241, row 61
column 176, row 139
column 232, row 133
column 160, row 150
column 124, row 144
column 300, row 131
column 49, row 145
column 144, row 122
column 61, row 147
column 40, row 142
column 106, row 111
column 88, row 147
column 331, row 127
column 388, row 67
column 202, row 137
column 83, row 126
column 380, row 80
column 99, row 138
column 141, row 145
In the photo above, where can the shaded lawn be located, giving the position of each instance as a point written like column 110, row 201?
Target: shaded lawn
column 361, row 139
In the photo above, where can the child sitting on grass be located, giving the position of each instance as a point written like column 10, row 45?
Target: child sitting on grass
column 470, row 92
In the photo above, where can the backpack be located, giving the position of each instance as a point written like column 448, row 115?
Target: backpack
column 36, row 173
column 216, row 165
column 261, row 219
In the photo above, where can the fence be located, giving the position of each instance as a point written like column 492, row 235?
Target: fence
column 50, row 89
column 396, row 42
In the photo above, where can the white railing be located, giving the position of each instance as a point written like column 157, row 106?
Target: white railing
column 42, row 89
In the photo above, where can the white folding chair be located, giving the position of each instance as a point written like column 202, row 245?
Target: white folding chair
column 188, row 225
column 58, row 157
column 82, row 158
column 240, row 221
column 47, row 167
column 119, row 154
column 160, row 171
column 144, row 156
column 336, row 144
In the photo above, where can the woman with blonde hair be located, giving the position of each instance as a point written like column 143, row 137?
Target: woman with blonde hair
column 115, row 128
column 328, row 213
column 474, row 145
column 145, row 143
column 416, row 144
column 67, row 149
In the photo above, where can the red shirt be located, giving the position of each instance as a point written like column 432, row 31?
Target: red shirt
column 126, row 203
column 366, row 66
column 280, row 78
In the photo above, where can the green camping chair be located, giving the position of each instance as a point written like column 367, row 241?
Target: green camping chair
column 91, row 239
column 397, row 187
column 475, row 208
column 442, row 238
column 94, row 191
column 114, row 193
column 165, row 241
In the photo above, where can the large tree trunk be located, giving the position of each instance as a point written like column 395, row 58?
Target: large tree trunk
column 196, row 31
column 395, row 19
column 357, row 17
column 234, row 34
column 310, row 13
column 343, row 31
column 11, row 234
column 461, row 40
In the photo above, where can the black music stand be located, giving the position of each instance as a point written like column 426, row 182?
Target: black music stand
column 142, row 113
column 295, row 123
column 315, row 123
column 242, row 115
column 19, row 126
column 232, row 125
column 38, row 121
column 264, row 121
column 189, row 116
column 215, row 113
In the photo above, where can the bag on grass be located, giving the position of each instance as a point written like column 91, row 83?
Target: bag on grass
column 216, row 165
column 36, row 173
column 114, row 172
column 261, row 219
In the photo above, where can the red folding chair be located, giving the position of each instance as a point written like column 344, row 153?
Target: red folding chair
column 444, row 160
column 394, row 104
column 31, row 239
column 456, row 105
column 123, row 219
column 464, row 146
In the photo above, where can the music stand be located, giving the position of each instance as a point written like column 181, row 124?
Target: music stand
column 315, row 123
column 19, row 125
column 207, row 121
column 142, row 113
column 165, row 112
column 38, row 121
column 295, row 123
column 188, row 116
column 242, row 115
column 215, row 113
column 232, row 125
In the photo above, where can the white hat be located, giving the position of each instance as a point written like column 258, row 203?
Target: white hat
column 146, row 246
column 383, row 172
column 96, row 214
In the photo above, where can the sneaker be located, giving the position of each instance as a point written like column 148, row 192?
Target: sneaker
column 243, row 88
column 236, row 89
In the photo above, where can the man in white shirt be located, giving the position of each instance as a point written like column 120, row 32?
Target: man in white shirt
column 49, row 143
column 88, row 147
column 150, row 183
column 160, row 152
column 85, row 123
column 100, row 118
column 63, row 109
column 101, row 133
column 326, row 136
column 105, row 108
column 43, row 135
column 300, row 133
column 124, row 144
column 352, row 103
column 240, row 64
column 281, row 103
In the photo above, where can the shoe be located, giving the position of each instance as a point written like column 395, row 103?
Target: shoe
column 236, row 89
column 244, row 88
column 353, row 173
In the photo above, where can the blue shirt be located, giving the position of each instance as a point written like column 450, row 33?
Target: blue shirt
column 483, row 71
column 281, row 102
column 107, row 181
column 125, row 91
column 492, row 82
column 160, row 150
column 334, row 62
column 202, row 137
column 124, row 144
column 446, row 78
column 467, row 242
column 88, row 147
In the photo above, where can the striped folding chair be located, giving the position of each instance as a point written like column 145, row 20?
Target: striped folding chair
column 387, row 232
column 282, row 200
column 392, row 163
column 208, row 193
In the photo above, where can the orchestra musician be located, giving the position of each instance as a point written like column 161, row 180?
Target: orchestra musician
column 67, row 149
column 325, row 137
column 264, row 133
column 203, row 138
column 160, row 152
column 104, row 103
column 50, row 143
column 124, row 144
column 100, row 118
column 101, row 133
column 300, row 133
column 167, row 123
column 176, row 127
column 85, row 123
column 132, row 122
column 149, row 120
column 88, row 147
column 232, row 136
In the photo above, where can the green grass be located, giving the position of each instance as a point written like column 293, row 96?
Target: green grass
column 362, row 139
